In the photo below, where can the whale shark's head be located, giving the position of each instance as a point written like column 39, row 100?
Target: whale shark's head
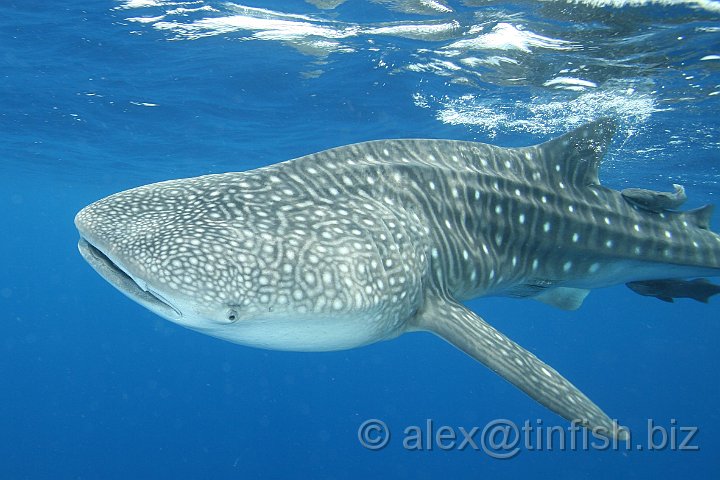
column 171, row 249
column 217, row 255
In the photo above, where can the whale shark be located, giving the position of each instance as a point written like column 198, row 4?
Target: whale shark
column 365, row 242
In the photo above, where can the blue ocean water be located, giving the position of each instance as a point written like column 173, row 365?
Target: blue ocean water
column 100, row 96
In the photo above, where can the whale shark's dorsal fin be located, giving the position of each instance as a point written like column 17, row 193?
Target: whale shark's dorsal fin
column 700, row 217
column 575, row 157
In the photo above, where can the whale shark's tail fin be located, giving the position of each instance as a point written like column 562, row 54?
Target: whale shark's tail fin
column 471, row 334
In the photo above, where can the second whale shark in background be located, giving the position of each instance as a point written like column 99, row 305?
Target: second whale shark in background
column 366, row 242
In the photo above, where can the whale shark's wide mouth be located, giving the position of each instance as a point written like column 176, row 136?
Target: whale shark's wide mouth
column 120, row 279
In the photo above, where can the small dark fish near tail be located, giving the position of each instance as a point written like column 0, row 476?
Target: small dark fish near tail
column 699, row 289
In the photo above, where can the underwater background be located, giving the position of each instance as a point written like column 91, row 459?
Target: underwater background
column 101, row 96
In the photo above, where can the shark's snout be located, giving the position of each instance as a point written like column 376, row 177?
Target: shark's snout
column 103, row 256
column 82, row 224
column 117, row 277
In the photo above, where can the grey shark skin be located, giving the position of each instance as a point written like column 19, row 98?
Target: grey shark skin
column 365, row 242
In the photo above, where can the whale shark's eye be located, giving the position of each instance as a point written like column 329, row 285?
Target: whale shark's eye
column 232, row 315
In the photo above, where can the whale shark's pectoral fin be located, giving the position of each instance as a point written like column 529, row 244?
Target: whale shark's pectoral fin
column 471, row 334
